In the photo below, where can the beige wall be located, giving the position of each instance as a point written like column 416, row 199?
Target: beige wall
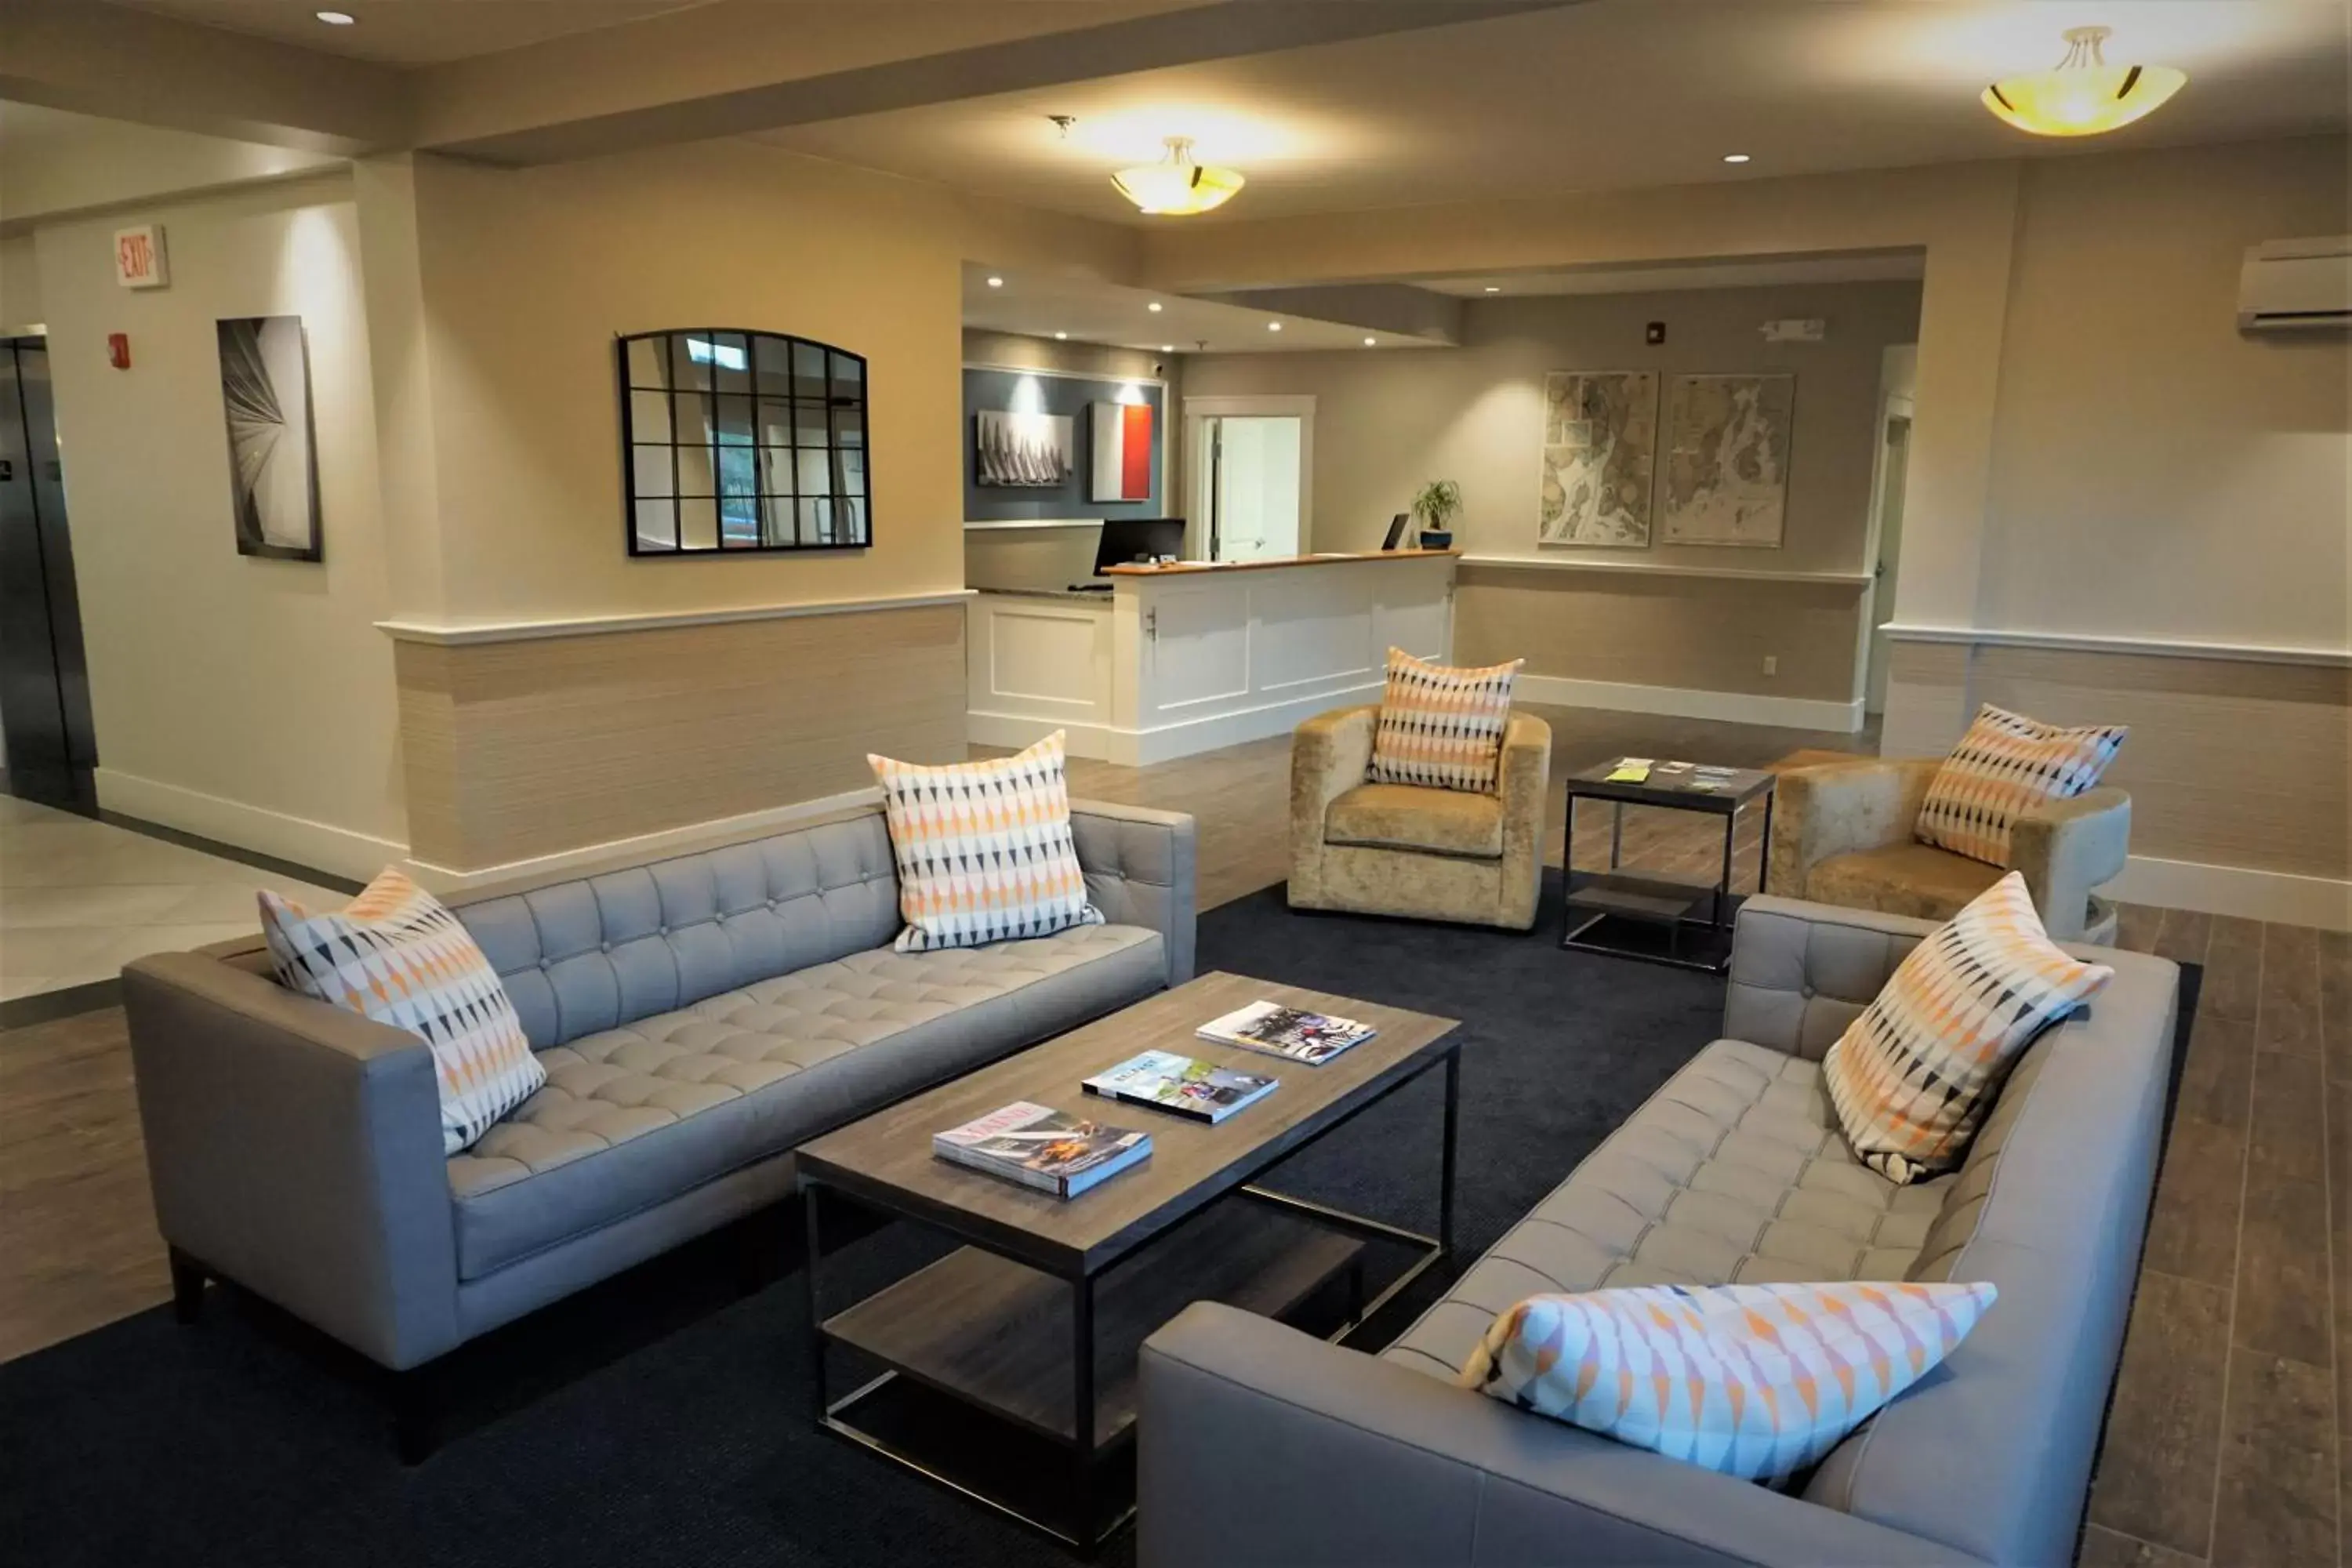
column 2156, row 472
column 53, row 162
column 244, row 698
column 526, row 277
column 20, row 283
column 1386, row 422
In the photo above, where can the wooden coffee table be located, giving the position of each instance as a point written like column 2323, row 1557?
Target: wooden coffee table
column 1035, row 1321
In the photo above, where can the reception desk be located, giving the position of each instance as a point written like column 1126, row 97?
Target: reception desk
column 1189, row 658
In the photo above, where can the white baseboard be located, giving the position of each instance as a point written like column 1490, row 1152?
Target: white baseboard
column 1164, row 743
column 322, row 845
column 2278, row 896
column 516, row 876
column 1689, row 702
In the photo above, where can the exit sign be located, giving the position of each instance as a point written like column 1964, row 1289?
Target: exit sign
column 139, row 257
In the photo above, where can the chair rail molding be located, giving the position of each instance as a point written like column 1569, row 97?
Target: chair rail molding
column 461, row 634
column 2158, row 647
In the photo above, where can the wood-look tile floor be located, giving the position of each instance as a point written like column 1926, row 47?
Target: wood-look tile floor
column 2233, row 1407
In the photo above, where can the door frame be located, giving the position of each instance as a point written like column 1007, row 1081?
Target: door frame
column 1198, row 410
column 1891, row 406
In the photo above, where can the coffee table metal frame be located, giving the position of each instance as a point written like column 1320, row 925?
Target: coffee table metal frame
column 1579, row 920
column 1086, row 1458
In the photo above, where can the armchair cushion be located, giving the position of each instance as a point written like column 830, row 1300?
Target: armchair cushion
column 1916, row 879
column 1440, row 726
column 1407, row 816
column 2004, row 766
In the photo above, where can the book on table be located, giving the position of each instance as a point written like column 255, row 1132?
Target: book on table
column 1184, row 1085
column 1040, row 1147
column 1294, row 1032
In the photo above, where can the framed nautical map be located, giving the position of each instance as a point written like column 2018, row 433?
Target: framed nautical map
column 1727, row 459
column 1600, row 451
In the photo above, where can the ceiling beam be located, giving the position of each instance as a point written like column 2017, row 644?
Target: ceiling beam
column 1161, row 35
column 96, row 58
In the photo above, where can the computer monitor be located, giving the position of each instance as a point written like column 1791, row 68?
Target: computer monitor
column 1130, row 539
column 1396, row 531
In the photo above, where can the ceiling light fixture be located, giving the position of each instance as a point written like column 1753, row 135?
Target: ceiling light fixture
column 1494, row 288
column 1061, row 335
column 1153, row 307
column 2082, row 95
column 1369, row 342
column 1274, row 326
column 1735, row 157
column 335, row 19
column 1177, row 186
column 996, row 282
column 1167, row 348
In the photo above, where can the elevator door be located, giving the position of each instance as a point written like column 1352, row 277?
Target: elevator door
column 43, row 683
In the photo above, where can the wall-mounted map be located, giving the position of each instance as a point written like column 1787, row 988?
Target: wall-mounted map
column 1599, row 448
column 1727, row 459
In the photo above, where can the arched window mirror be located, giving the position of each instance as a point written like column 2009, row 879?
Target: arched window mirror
column 739, row 442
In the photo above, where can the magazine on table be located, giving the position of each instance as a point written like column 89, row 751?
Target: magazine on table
column 1184, row 1085
column 1294, row 1032
column 1040, row 1147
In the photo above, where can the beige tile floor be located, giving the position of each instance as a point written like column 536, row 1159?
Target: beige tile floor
column 79, row 898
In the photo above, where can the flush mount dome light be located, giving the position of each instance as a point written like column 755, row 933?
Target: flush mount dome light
column 2084, row 95
column 1177, row 186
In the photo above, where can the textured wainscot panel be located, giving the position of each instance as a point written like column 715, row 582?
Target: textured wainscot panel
column 545, row 745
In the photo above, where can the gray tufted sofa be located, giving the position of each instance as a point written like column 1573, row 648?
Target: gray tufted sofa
column 698, row 1017
column 1733, row 1173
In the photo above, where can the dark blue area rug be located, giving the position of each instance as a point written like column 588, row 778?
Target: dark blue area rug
column 665, row 1418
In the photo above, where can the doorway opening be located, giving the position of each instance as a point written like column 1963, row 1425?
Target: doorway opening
column 1253, row 461
column 47, row 746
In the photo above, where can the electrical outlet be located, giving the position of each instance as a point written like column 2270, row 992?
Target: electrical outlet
column 1771, row 664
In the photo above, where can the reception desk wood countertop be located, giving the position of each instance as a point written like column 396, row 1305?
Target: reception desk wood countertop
column 1139, row 569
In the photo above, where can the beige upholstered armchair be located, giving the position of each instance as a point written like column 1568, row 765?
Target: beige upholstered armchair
column 1842, row 834
column 1402, row 849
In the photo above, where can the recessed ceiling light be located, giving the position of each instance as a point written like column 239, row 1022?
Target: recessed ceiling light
column 1153, row 306
column 335, row 19
column 1494, row 288
column 996, row 282
column 1735, row 157
column 1369, row 342
column 1061, row 334
column 1274, row 326
column 1167, row 348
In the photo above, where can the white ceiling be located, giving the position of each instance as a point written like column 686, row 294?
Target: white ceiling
column 1612, row 94
column 1882, row 267
column 1042, row 304
column 411, row 32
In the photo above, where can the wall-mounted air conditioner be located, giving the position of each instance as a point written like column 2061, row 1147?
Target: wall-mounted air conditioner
column 2292, row 284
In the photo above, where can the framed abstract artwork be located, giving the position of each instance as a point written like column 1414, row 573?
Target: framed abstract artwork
column 273, row 461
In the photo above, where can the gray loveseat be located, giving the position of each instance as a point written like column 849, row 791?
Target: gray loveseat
column 698, row 1017
column 1734, row 1172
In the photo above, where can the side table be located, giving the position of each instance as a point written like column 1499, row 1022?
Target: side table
column 1657, row 917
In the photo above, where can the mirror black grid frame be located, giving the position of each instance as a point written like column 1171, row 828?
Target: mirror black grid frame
column 736, row 442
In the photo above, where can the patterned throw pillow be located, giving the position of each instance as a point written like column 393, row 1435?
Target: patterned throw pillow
column 1443, row 727
column 397, row 956
column 2003, row 767
column 1753, row 1381
column 1911, row 1078
column 985, row 851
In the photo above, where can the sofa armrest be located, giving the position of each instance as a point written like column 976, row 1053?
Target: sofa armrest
column 1839, row 808
column 1260, row 1444
column 295, row 1147
column 1139, row 867
column 2066, row 847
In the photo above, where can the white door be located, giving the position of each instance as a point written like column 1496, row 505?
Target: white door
column 1894, row 461
column 1253, row 492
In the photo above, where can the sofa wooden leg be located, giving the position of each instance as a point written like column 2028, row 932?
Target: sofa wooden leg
column 187, row 1287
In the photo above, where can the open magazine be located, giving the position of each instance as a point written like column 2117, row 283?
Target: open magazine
column 1294, row 1032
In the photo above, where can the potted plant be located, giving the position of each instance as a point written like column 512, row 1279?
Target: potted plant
column 1435, row 506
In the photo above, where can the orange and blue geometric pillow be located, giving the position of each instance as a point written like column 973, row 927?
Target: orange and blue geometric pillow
column 2002, row 768
column 1440, row 727
column 397, row 956
column 1913, row 1077
column 1753, row 1381
column 985, row 851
